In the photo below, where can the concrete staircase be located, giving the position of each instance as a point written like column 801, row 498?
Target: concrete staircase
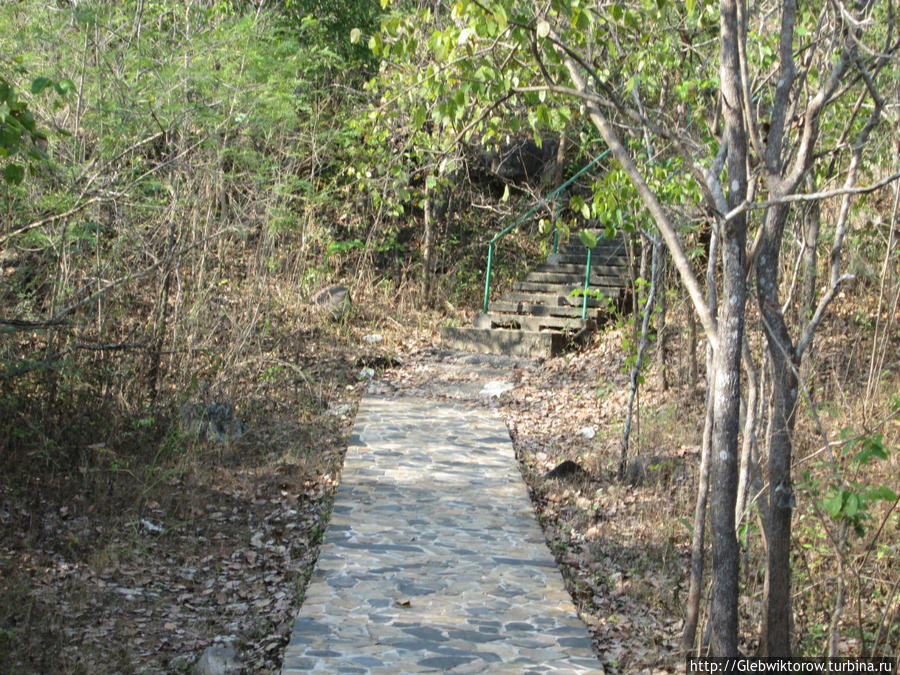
column 539, row 317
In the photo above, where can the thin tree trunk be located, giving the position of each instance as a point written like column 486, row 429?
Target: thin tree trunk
column 749, row 440
column 661, row 324
column 777, row 637
column 809, row 261
column 880, row 347
column 727, row 356
column 698, row 539
column 428, row 243
column 727, row 339
column 693, row 374
column 840, row 595
column 645, row 327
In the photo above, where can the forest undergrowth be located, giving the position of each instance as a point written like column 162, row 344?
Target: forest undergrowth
column 147, row 530
column 624, row 546
column 174, row 409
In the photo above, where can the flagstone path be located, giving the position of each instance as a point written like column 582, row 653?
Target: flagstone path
column 433, row 560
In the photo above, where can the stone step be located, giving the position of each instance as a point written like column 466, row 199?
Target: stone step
column 597, row 260
column 540, row 317
column 609, row 290
column 523, row 290
column 604, row 247
column 529, row 344
column 529, row 323
column 574, row 268
column 538, row 309
column 576, row 279
column 581, row 251
column 552, row 299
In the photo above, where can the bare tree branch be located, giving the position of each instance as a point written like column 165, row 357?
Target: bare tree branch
column 809, row 197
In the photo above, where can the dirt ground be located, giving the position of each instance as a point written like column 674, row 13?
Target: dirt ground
column 107, row 572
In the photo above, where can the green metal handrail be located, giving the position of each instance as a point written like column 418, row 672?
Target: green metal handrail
column 587, row 282
column 518, row 221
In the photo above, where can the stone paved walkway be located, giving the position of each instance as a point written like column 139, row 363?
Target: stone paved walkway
column 433, row 560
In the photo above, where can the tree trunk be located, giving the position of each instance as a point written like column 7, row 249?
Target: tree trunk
column 661, row 325
column 777, row 635
column 428, row 244
column 749, row 440
column 693, row 374
column 636, row 369
column 698, row 537
column 724, row 460
column 809, row 262
column 698, row 540
column 727, row 357
column 727, row 337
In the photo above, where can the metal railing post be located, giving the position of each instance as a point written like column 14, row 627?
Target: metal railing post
column 587, row 283
column 556, row 225
column 487, row 276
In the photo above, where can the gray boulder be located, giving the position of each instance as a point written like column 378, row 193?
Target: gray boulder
column 523, row 160
column 334, row 301
column 212, row 422
column 218, row 660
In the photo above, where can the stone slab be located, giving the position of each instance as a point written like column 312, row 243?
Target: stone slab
column 525, row 343
column 433, row 560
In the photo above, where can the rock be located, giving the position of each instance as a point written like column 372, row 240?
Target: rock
column 567, row 470
column 213, row 422
column 182, row 663
column 482, row 321
column 496, row 388
column 523, row 160
column 587, row 432
column 218, row 660
column 372, row 339
column 334, row 301
column 339, row 410
column 152, row 528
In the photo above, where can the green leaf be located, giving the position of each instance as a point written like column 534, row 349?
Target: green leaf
column 355, row 35
column 883, row 492
column 39, row 84
column 64, row 86
column 834, row 504
column 500, row 17
column 587, row 238
column 872, row 447
column 13, row 174
column 375, row 44
column 419, row 116
column 852, row 505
